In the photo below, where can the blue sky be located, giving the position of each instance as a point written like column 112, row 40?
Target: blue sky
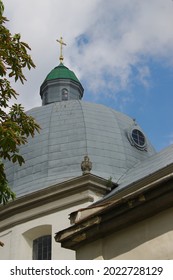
column 121, row 50
column 151, row 106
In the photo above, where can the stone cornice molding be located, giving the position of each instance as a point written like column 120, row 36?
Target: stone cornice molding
column 44, row 202
column 118, row 214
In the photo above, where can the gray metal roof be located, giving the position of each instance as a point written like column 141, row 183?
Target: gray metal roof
column 155, row 164
column 71, row 130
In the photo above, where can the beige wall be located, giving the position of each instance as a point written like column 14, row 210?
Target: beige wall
column 41, row 219
column 149, row 239
column 18, row 239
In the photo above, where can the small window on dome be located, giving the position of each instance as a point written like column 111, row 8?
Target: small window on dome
column 137, row 139
column 64, row 94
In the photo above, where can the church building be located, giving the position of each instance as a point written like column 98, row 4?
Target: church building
column 92, row 186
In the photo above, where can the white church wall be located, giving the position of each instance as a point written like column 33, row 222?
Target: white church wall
column 5, row 251
column 19, row 239
column 44, row 213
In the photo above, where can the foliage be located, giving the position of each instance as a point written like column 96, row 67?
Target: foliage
column 15, row 125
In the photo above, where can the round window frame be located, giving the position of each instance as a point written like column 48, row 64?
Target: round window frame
column 134, row 142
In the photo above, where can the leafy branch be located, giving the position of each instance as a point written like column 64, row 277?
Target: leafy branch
column 15, row 126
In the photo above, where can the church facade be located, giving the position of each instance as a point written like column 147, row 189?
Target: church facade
column 92, row 186
column 131, row 222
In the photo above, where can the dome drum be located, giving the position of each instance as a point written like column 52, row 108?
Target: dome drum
column 66, row 90
column 61, row 84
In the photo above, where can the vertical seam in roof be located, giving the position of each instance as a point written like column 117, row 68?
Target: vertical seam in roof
column 117, row 120
column 50, row 119
column 80, row 103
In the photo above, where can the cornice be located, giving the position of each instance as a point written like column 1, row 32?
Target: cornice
column 118, row 214
column 44, row 202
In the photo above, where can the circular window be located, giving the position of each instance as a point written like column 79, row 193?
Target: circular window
column 138, row 138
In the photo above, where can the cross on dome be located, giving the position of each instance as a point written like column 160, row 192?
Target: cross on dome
column 61, row 58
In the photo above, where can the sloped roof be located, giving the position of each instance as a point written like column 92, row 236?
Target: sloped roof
column 150, row 169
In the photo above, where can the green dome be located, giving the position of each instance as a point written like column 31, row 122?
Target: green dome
column 61, row 72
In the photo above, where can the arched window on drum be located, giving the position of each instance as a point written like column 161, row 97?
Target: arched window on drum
column 64, row 94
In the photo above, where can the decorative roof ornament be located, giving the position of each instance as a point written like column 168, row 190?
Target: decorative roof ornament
column 86, row 165
column 61, row 58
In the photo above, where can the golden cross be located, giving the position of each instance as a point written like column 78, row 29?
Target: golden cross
column 61, row 58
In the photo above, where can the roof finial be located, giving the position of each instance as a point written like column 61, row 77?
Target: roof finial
column 61, row 58
column 86, row 165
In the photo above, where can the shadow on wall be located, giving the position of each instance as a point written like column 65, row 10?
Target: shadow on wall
column 152, row 237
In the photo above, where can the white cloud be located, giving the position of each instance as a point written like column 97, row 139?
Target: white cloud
column 123, row 34
column 118, row 36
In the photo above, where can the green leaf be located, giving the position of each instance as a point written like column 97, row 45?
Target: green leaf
column 15, row 126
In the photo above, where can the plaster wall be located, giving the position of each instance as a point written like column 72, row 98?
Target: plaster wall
column 149, row 239
column 18, row 241
column 46, row 219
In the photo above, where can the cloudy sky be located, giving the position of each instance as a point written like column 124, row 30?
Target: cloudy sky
column 121, row 50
